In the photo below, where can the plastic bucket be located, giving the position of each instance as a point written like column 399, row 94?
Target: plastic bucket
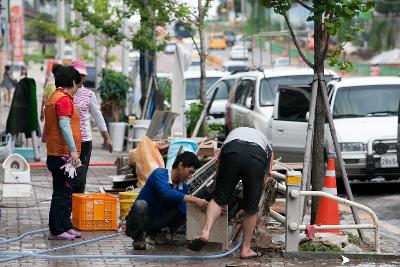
column 117, row 134
column 140, row 128
column 126, row 200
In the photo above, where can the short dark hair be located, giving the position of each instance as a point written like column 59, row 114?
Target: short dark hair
column 7, row 67
column 65, row 76
column 55, row 67
column 188, row 159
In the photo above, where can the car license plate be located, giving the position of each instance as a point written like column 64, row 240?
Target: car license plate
column 389, row 161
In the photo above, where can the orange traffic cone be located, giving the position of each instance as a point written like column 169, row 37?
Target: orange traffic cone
column 328, row 210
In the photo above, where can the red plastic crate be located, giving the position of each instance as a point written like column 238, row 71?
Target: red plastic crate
column 94, row 212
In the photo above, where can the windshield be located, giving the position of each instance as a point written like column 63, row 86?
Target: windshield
column 362, row 101
column 193, row 87
column 224, row 87
column 268, row 87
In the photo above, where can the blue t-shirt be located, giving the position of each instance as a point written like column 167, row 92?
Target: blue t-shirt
column 160, row 195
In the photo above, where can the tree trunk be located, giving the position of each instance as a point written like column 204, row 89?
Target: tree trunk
column 318, row 170
column 107, row 56
column 203, row 58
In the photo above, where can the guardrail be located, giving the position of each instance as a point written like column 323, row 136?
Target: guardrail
column 294, row 226
column 294, row 213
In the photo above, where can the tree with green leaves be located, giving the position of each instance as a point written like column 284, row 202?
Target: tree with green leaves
column 328, row 17
column 100, row 18
column 196, row 18
column 39, row 34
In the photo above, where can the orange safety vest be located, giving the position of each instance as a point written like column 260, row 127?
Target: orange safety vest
column 56, row 145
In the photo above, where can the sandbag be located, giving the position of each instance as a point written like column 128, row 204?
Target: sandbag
column 148, row 158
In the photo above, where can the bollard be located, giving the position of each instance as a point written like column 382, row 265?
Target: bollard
column 293, row 211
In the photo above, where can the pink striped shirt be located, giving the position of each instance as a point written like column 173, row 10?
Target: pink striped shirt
column 85, row 102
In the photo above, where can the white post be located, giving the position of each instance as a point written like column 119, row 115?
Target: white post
column 98, row 65
column 293, row 212
column 73, row 31
column 61, row 26
column 125, row 47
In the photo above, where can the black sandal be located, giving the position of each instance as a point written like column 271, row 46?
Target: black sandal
column 196, row 244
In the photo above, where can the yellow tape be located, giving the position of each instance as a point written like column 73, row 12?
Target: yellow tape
column 293, row 180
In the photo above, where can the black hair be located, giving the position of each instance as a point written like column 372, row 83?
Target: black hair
column 7, row 67
column 188, row 159
column 55, row 67
column 65, row 76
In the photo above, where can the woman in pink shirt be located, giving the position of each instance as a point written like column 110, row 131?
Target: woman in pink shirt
column 85, row 102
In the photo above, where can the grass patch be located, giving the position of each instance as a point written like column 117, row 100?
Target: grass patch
column 311, row 246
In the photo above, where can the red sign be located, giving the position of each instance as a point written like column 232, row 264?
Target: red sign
column 16, row 32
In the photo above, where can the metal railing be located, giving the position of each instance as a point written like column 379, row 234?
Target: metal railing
column 294, row 226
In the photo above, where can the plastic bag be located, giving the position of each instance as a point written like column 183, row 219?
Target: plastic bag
column 148, row 158
column 187, row 145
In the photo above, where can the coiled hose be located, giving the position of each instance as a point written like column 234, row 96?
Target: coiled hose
column 41, row 254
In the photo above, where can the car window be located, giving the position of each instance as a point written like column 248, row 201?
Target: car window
column 268, row 87
column 224, row 87
column 362, row 101
column 267, row 93
column 193, row 87
column 293, row 105
column 244, row 91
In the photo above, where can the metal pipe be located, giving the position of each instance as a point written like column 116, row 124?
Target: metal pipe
column 278, row 176
column 282, row 188
column 296, row 193
column 340, row 227
column 276, row 216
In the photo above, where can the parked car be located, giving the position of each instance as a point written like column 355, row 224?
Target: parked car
column 218, row 107
column 218, row 42
column 246, row 41
column 235, row 66
column 90, row 80
column 282, row 61
column 192, row 83
column 239, row 52
column 251, row 101
column 230, row 37
column 365, row 112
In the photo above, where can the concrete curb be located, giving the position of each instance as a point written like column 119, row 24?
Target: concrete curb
column 338, row 256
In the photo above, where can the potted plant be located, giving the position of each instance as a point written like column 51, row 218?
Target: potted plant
column 113, row 91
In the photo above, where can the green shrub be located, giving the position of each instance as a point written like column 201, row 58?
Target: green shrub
column 113, row 91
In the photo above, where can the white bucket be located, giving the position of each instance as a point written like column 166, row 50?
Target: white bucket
column 140, row 128
column 16, row 170
column 117, row 134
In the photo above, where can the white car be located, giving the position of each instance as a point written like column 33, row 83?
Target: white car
column 251, row 101
column 239, row 52
column 365, row 111
column 235, row 65
column 192, row 83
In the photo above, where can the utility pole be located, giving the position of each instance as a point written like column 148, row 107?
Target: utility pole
column 125, row 48
column 61, row 26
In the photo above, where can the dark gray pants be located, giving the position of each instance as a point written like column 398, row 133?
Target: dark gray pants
column 138, row 221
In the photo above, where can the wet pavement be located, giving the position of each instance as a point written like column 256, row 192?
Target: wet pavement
column 20, row 215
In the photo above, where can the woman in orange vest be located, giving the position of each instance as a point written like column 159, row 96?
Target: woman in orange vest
column 64, row 140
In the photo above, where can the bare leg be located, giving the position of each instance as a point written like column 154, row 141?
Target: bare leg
column 248, row 226
column 213, row 212
column 8, row 93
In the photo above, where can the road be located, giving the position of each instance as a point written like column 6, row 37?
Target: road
column 383, row 198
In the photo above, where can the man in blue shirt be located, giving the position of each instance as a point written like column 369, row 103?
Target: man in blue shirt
column 162, row 201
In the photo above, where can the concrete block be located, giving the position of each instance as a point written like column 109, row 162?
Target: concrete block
column 195, row 218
